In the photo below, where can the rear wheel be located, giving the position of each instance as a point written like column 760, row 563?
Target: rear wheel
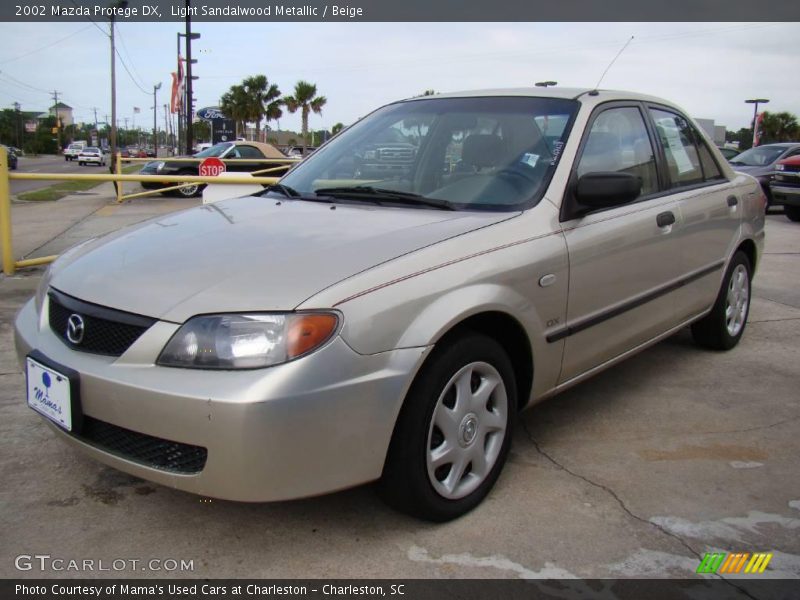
column 792, row 213
column 189, row 190
column 723, row 327
column 454, row 432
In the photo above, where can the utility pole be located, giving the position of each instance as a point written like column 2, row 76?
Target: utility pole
column 189, row 141
column 167, row 120
column 58, row 122
column 155, row 117
column 113, row 160
column 19, row 123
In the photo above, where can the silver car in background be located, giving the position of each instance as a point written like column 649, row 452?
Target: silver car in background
column 339, row 329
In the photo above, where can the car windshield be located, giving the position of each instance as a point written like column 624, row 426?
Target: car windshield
column 216, row 150
column 759, row 157
column 487, row 153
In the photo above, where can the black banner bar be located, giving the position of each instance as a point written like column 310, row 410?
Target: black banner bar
column 404, row 10
column 710, row 588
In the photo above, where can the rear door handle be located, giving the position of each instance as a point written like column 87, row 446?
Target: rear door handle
column 732, row 201
column 665, row 219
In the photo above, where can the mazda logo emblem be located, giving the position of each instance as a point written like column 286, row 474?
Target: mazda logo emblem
column 75, row 329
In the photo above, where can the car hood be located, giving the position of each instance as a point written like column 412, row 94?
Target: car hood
column 248, row 254
column 754, row 171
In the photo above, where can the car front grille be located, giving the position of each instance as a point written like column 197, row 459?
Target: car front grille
column 144, row 449
column 102, row 331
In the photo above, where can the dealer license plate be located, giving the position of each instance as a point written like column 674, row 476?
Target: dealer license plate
column 49, row 393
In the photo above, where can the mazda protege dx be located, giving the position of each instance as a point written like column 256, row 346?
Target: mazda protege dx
column 346, row 326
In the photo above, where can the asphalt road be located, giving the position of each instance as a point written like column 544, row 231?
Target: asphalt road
column 637, row 472
column 47, row 164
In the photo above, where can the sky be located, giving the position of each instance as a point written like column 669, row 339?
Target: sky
column 709, row 69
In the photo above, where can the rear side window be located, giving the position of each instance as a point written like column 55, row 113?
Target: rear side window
column 711, row 171
column 249, row 152
column 618, row 142
column 677, row 139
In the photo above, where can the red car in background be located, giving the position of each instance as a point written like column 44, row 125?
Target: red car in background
column 785, row 187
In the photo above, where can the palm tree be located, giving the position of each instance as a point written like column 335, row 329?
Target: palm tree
column 261, row 95
column 305, row 100
column 779, row 127
column 274, row 111
column 234, row 104
column 337, row 128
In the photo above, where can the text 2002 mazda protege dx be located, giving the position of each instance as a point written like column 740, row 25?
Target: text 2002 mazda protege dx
column 338, row 329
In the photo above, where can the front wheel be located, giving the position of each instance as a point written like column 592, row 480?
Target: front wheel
column 453, row 434
column 722, row 328
column 190, row 190
column 792, row 213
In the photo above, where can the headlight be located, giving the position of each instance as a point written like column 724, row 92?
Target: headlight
column 41, row 291
column 246, row 341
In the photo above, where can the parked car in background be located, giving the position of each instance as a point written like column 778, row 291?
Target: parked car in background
column 760, row 162
column 73, row 150
column 785, row 187
column 17, row 151
column 334, row 331
column 297, row 151
column 729, row 152
column 13, row 161
column 224, row 150
column 91, row 155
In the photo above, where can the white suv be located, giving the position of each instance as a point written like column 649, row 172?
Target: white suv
column 73, row 150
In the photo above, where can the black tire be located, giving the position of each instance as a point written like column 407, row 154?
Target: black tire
column 406, row 484
column 792, row 213
column 715, row 330
column 189, row 192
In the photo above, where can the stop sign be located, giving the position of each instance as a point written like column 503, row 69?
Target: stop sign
column 211, row 167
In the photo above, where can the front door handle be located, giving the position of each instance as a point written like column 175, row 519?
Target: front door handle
column 665, row 219
column 732, row 201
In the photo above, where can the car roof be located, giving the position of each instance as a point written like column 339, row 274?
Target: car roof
column 572, row 93
column 268, row 150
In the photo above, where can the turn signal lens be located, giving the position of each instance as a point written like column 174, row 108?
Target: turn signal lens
column 307, row 332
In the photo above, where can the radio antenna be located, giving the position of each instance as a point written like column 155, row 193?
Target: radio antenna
column 611, row 63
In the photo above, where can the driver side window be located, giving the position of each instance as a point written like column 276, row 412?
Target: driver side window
column 618, row 142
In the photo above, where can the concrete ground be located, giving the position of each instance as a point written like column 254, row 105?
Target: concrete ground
column 638, row 472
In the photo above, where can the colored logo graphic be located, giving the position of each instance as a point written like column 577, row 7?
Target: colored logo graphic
column 734, row 562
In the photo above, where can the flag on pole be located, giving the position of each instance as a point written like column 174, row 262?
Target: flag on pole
column 176, row 100
column 136, row 110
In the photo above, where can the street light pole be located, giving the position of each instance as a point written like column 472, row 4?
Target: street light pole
column 155, row 117
column 755, row 102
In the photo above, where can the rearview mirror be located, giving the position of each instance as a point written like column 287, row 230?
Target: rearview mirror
column 607, row 189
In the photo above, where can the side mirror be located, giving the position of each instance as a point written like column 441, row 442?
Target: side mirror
column 607, row 189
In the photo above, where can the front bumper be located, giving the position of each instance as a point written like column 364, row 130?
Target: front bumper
column 786, row 195
column 315, row 425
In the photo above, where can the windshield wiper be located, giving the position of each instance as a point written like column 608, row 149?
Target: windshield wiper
column 284, row 190
column 373, row 194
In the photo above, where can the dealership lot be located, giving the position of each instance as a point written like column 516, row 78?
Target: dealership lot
column 639, row 471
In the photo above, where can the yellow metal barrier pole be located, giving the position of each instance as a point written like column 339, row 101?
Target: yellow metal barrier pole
column 35, row 262
column 118, row 184
column 5, row 214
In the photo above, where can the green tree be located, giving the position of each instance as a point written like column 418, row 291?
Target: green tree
column 305, row 100
column 234, row 104
column 263, row 100
column 744, row 137
column 779, row 127
column 201, row 131
column 337, row 128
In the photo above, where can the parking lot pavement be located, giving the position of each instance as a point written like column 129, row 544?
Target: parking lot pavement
column 637, row 472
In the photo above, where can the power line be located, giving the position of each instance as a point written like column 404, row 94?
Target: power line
column 18, row 83
column 50, row 45
column 144, row 91
column 128, row 54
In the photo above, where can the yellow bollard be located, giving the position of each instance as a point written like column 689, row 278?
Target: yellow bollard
column 5, row 215
column 118, row 169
